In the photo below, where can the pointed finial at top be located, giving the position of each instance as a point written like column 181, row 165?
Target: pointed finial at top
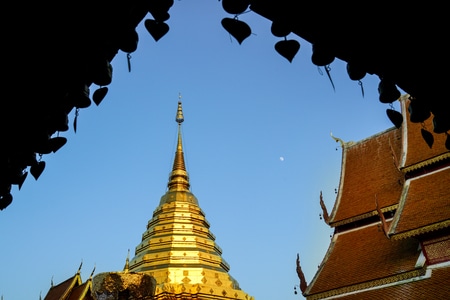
column 179, row 179
column 79, row 268
column 179, row 118
column 301, row 275
column 337, row 140
column 127, row 263
column 92, row 273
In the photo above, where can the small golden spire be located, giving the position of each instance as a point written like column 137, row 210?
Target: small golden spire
column 179, row 179
column 127, row 263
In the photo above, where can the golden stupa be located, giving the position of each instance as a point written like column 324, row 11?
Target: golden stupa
column 177, row 249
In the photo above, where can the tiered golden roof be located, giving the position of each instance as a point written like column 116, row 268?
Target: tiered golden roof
column 178, row 249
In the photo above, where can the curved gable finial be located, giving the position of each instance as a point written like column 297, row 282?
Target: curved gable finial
column 337, row 139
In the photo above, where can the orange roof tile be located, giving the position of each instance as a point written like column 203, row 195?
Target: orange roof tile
column 434, row 287
column 425, row 203
column 369, row 171
column 362, row 255
column 417, row 149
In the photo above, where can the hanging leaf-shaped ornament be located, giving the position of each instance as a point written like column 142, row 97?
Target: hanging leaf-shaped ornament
column 99, row 94
column 37, row 169
column 56, row 143
column 395, row 117
column 237, row 29
column 428, row 137
column 287, row 48
column 156, row 29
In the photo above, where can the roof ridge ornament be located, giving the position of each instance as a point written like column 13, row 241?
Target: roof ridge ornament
column 326, row 217
column 79, row 268
column 384, row 225
column 92, row 273
column 394, row 157
column 301, row 276
column 337, row 140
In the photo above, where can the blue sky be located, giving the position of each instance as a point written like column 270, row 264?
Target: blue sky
column 256, row 141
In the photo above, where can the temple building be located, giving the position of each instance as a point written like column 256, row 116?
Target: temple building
column 72, row 288
column 391, row 218
column 177, row 258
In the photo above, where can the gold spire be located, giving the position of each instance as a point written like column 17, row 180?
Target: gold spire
column 179, row 179
column 127, row 263
column 177, row 249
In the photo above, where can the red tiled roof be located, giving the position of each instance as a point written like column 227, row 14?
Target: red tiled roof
column 362, row 255
column 435, row 287
column 81, row 290
column 363, row 258
column 417, row 149
column 57, row 291
column 425, row 202
column 369, row 172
